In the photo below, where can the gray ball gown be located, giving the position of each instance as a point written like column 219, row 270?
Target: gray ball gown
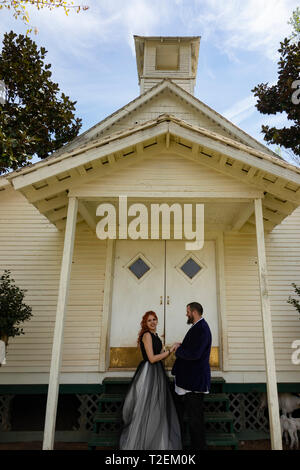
column 150, row 419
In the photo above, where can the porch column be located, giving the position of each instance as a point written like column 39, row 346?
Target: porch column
column 273, row 406
column 106, row 315
column 66, row 264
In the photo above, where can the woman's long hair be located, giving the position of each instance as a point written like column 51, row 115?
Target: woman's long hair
column 144, row 326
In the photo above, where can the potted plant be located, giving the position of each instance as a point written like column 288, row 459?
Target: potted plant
column 13, row 311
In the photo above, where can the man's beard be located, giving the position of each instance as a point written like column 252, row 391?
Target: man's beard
column 189, row 320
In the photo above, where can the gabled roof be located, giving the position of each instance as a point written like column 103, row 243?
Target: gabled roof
column 47, row 184
column 98, row 129
column 96, row 143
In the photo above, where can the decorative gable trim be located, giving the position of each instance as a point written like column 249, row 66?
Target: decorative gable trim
column 96, row 131
column 48, row 186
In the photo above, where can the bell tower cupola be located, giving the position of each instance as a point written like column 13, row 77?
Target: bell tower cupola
column 174, row 58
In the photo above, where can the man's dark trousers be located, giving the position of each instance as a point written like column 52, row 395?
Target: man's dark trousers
column 192, row 404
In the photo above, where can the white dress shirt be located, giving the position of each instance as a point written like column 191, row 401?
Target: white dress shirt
column 180, row 390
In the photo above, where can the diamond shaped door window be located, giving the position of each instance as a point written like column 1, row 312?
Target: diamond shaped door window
column 139, row 267
column 190, row 267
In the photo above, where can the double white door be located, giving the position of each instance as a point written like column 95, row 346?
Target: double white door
column 163, row 277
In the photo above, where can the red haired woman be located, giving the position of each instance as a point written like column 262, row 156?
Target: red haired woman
column 149, row 414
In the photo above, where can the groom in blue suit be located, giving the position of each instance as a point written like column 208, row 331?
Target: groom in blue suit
column 192, row 374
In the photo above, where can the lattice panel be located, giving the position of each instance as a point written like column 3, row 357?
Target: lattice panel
column 113, row 407
column 5, row 400
column 217, row 427
column 104, row 427
column 214, row 407
column 244, row 407
column 87, row 409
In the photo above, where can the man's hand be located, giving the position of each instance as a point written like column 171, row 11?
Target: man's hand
column 175, row 347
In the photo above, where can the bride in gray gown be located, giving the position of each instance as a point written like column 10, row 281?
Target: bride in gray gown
column 150, row 420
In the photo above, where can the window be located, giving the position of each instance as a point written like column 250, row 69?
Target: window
column 139, row 268
column 190, row 268
column 167, row 57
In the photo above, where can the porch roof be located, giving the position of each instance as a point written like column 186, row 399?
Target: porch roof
column 46, row 184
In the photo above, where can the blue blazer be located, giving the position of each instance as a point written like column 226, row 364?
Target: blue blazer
column 191, row 367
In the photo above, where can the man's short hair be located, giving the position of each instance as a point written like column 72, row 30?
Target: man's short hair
column 196, row 306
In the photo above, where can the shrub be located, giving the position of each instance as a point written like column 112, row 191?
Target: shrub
column 13, row 311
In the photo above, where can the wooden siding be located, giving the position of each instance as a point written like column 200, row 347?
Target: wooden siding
column 165, row 173
column 31, row 248
column 245, row 338
column 167, row 103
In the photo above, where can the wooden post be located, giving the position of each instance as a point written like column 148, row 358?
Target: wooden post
column 273, row 405
column 221, row 299
column 106, row 319
column 66, row 264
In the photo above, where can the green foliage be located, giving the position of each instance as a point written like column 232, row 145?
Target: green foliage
column 295, row 302
column 13, row 311
column 278, row 98
column 295, row 23
column 19, row 8
column 34, row 120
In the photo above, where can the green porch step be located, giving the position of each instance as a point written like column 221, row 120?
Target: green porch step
column 111, row 397
column 120, row 384
column 119, row 397
column 216, row 397
column 125, row 380
column 111, row 439
column 222, row 439
column 100, row 417
column 216, row 417
column 114, row 391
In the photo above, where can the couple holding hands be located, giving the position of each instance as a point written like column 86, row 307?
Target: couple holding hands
column 152, row 414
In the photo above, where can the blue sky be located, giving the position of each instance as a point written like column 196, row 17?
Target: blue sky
column 93, row 59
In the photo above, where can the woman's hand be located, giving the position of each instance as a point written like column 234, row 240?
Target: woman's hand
column 147, row 340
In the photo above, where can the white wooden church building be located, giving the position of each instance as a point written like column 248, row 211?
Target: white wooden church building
column 88, row 295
